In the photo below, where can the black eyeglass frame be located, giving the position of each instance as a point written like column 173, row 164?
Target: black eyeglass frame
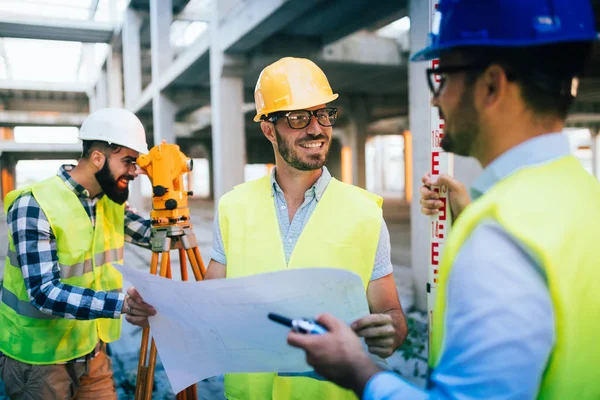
column 313, row 113
column 431, row 72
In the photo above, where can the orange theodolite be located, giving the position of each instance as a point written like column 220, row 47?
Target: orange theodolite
column 170, row 215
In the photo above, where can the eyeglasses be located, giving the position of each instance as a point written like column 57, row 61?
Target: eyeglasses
column 436, row 77
column 300, row 119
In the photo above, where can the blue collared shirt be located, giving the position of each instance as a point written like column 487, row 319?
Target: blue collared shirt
column 291, row 230
column 499, row 330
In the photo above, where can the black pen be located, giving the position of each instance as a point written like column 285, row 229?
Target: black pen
column 298, row 325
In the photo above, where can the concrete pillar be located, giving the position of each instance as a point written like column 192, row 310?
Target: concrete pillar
column 334, row 160
column 227, row 98
column 102, row 90
column 115, row 77
column 132, row 58
column 419, row 114
column 92, row 100
column 163, row 109
column 358, row 139
column 163, row 117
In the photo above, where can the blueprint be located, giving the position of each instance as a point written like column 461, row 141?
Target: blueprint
column 208, row 328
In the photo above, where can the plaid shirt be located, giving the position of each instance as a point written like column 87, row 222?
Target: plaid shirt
column 35, row 245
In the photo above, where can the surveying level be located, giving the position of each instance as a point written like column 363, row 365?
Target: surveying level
column 171, row 228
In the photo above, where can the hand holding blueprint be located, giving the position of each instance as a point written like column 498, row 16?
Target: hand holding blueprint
column 208, row 328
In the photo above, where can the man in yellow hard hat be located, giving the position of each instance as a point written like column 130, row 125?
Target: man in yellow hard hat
column 301, row 217
column 61, row 296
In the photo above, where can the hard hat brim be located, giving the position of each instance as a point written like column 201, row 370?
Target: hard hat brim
column 433, row 51
column 292, row 107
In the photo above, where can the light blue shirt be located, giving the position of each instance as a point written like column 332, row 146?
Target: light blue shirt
column 291, row 231
column 499, row 330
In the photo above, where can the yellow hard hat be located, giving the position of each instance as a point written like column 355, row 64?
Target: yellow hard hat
column 291, row 84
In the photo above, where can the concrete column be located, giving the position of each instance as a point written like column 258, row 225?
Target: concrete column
column 163, row 117
column 115, row 78
column 92, row 100
column 227, row 98
column 163, row 109
column 358, row 139
column 132, row 58
column 102, row 90
column 419, row 114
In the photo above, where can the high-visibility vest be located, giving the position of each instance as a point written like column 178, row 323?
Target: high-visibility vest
column 85, row 257
column 343, row 232
column 554, row 210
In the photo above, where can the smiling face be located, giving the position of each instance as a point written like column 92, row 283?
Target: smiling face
column 303, row 149
column 116, row 173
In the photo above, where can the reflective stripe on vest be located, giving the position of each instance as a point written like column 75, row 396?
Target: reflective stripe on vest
column 69, row 271
column 342, row 232
column 552, row 210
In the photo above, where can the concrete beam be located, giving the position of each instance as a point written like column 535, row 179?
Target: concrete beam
column 364, row 48
column 53, row 29
column 12, row 118
column 245, row 26
column 10, row 84
column 47, row 148
column 194, row 55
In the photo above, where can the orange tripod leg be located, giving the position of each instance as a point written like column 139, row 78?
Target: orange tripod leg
column 142, row 368
column 189, row 392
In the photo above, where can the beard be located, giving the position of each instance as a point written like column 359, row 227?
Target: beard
column 109, row 185
column 460, row 135
column 292, row 158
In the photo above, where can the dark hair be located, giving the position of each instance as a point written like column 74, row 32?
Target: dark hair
column 544, row 73
column 90, row 145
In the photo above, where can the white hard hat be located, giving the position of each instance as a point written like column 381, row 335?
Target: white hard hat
column 116, row 126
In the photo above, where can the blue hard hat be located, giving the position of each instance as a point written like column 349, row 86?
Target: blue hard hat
column 508, row 23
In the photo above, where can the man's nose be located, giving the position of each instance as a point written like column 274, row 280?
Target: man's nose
column 314, row 128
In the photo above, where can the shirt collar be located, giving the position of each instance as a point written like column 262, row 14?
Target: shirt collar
column 316, row 190
column 539, row 150
column 79, row 190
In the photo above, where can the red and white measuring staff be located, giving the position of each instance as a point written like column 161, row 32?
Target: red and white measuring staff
column 441, row 163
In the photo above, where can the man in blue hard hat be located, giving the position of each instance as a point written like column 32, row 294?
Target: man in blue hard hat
column 518, row 297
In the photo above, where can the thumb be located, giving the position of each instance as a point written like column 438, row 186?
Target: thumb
column 451, row 183
column 134, row 295
column 329, row 322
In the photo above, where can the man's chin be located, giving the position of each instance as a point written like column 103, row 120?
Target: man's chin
column 118, row 197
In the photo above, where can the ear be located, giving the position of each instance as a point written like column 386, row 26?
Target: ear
column 98, row 159
column 268, row 130
column 495, row 85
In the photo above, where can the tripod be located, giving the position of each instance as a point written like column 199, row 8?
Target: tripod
column 162, row 239
column 171, row 228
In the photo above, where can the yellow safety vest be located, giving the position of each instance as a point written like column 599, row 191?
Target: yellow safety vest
column 554, row 210
column 343, row 232
column 85, row 255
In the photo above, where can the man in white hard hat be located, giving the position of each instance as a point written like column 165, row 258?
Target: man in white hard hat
column 61, row 298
